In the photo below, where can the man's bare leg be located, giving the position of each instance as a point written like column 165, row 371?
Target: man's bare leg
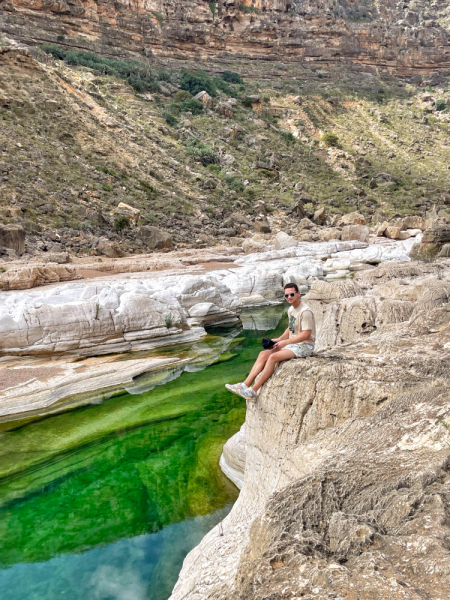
column 269, row 368
column 258, row 366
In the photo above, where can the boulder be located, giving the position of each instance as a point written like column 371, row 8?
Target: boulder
column 240, row 218
column 60, row 258
column 154, row 238
column 411, row 222
column 251, row 246
column 283, row 240
column 382, row 228
column 110, row 249
column 438, row 234
column 392, row 232
column 204, row 98
column 13, row 236
column 128, row 211
column 305, row 224
column 355, row 232
column 262, row 227
column 434, row 240
column 330, row 233
column 353, row 218
column 445, row 251
column 225, row 110
column 298, row 210
column 27, row 277
column 319, row 216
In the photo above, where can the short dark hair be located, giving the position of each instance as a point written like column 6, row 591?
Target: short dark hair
column 291, row 285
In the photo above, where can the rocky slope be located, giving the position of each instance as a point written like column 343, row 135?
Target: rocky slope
column 78, row 143
column 345, row 492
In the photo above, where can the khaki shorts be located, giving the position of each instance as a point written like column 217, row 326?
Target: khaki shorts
column 301, row 350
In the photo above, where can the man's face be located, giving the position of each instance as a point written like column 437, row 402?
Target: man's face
column 291, row 295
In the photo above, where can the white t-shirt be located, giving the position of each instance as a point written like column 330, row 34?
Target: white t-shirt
column 301, row 319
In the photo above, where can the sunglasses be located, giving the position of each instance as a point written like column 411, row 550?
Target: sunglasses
column 290, row 295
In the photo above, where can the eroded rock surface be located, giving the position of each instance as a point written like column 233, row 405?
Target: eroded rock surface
column 386, row 33
column 346, row 485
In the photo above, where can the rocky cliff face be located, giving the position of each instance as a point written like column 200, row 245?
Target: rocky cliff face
column 408, row 37
column 346, row 485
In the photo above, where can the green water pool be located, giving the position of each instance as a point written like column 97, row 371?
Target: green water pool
column 104, row 501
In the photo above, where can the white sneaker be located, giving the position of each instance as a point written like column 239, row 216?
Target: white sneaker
column 236, row 388
column 249, row 394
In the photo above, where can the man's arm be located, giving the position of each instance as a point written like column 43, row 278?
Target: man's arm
column 301, row 337
column 284, row 336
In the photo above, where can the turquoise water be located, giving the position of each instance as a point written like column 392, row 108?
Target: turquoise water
column 105, row 501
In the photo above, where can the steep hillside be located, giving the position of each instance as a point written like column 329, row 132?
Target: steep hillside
column 77, row 140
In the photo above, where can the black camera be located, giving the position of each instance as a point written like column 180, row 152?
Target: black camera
column 268, row 344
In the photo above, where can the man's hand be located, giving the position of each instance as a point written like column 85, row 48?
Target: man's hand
column 280, row 345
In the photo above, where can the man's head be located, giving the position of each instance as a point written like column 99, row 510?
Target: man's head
column 291, row 293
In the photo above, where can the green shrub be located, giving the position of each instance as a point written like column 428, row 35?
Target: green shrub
column 121, row 223
column 164, row 76
column 234, row 183
column 199, row 82
column 249, row 9
column 137, row 74
column 107, row 187
column 201, row 152
column 212, row 8
column 246, row 101
column 56, row 51
column 192, row 105
column 232, row 77
column 214, row 168
column 86, row 225
column 170, row 119
column 330, row 139
column 224, row 87
column 440, row 105
column 182, row 95
column 288, row 137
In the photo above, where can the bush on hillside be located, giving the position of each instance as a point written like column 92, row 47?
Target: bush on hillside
column 234, row 183
column 440, row 105
column 137, row 74
column 199, row 82
column 121, row 222
column 191, row 105
column 330, row 140
column 288, row 137
column 169, row 119
column 201, row 152
column 182, row 95
column 232, row 77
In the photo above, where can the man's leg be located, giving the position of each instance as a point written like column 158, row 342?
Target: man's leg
column 259, row 365
column 268, row 370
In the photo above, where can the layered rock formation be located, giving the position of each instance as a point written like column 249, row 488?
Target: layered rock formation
column 116, row 315
column 345, row 491
column 408, row 37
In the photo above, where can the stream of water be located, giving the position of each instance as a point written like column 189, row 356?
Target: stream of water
column 103, row 502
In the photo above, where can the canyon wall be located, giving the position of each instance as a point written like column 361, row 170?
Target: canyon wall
column 407, row 38
column 346, row 486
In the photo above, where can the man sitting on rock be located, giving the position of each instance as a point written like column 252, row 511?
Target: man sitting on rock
column 296, row 342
